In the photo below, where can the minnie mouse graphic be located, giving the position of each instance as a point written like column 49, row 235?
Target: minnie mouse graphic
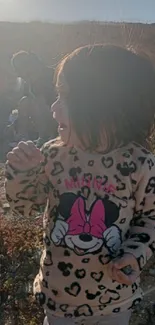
column 85, row 231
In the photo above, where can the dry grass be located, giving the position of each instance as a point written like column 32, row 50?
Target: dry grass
column 52, row 41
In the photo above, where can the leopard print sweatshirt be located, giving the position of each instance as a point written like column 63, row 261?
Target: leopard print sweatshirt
column 95, row 207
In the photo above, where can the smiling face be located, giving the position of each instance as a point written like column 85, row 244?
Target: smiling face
column 61, row 115
column 83, row 244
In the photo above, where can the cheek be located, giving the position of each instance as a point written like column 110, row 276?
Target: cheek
column 65, row 116
column 60, row 112
column 69, row 241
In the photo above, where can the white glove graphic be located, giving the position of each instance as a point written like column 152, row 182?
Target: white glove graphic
column 112, row 237
column 59, row 231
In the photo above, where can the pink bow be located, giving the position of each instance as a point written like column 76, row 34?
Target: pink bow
column 93, row 224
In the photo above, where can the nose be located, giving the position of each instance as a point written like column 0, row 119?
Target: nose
column 55, row 109
column 85, row 238
column 53, row 106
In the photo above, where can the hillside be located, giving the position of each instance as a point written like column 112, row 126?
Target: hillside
column 52, row 41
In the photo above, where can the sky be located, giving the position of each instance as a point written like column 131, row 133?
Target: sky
column 75, row 10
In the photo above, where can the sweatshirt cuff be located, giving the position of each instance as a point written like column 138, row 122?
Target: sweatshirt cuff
column 138, row 250
column 11, row 172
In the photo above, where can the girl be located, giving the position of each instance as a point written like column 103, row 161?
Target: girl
column 96, row 184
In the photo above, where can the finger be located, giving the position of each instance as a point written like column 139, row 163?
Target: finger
column 120, row 277
column 127, row 259
column 23, row 146
column 34, row 149
column 11, row 157
column 31, row 151
column 121, row 262
column 28, row 148
column 27, row 145
column 19, row 154
column 13, row 162
column 110, row 267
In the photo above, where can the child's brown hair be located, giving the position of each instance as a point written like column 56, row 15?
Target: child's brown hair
column 112, row 88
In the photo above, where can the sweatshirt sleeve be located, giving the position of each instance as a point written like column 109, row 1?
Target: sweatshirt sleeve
column 141, row 239
column 27, row 191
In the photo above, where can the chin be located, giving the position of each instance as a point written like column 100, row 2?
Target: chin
column 64, row 136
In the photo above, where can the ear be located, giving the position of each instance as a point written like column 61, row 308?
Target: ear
column 111, row 212
column 66, row 202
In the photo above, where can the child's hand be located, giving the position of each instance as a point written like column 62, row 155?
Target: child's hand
column 25, row 156
column 116, row 273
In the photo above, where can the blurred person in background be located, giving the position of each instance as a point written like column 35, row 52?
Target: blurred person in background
column 10, row 93
column 34, row 109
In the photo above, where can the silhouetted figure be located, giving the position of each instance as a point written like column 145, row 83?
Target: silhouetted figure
column 11, row 90
column 35, row 109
